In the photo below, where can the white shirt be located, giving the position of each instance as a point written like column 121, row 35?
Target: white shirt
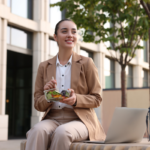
column 63, row 78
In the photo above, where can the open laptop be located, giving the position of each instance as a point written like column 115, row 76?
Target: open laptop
column 128, row 125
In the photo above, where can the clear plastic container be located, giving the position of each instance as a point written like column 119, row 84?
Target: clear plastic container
column 54, row 95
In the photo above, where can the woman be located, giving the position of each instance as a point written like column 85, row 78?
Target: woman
column 72, row 119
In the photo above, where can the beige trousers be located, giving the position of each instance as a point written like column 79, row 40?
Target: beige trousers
column 57, row 131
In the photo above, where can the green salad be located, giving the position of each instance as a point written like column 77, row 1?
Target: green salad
column 57, row 95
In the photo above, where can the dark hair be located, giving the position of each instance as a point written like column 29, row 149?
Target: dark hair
column 57, row 25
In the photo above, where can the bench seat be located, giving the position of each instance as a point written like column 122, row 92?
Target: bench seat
column 143, row 145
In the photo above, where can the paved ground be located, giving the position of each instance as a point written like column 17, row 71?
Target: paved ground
column 10, row 144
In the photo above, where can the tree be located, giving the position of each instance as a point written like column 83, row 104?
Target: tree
column 129, row 22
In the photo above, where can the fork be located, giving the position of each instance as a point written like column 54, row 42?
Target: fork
column 55, row 85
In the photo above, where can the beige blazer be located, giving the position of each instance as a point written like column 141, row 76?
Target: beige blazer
column 84, row 81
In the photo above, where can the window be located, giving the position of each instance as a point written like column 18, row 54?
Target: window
column 86, row 53
column 19, row 38
column 109, row 72
column 9, row 3
column 145, row 51
column 22, row 8
column 53, row 47
column 145, row 78
column 55, row 15
column 63, row 14
column 129, row 73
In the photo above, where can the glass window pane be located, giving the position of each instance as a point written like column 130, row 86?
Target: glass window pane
column 30, row 9
column 8, row 3
column 53, row 48
column 8, row 35
column 107, row 64
column 109, row 81
column 54, row 14
column 29, row 40
column 145, row 75
column 22, row 8
column 144, row 83
column 19, row 7
column 112, row 63
column 106, row 73
column 129, row 77
column 129, row 82
column 145, row 78
column 109, row 73
column 18, row 38
column 145, row 51
column 63, row 14
column 86, row 53
column 127, row 70
column 130, row 70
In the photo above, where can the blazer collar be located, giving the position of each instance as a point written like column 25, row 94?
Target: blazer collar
column 76, row 57
column 53, row 60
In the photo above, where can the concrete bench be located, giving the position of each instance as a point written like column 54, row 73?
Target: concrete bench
column 143, row 145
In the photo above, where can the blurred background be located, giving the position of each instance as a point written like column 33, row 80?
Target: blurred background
column 26, row 39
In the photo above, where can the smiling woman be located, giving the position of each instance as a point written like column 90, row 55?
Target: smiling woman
column 66, row 34
column 65, row 121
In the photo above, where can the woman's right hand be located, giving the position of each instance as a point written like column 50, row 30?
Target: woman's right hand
column 50, row 85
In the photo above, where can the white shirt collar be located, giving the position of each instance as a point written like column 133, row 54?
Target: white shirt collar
column 69, row 61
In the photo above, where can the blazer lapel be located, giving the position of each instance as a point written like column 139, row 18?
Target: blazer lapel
column 51, row 69
column 75, row 70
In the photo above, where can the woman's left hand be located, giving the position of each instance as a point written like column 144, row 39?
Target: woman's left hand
column 71, row 100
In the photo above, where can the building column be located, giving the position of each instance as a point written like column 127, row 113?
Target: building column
column 38, row 57
column 47, row 10
column 99, row 62
column 137, row 70
column 46, row 46
column 40, row 50
column 3, row 67
column 38, row 13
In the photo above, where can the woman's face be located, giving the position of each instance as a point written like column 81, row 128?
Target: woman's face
column 66, row 35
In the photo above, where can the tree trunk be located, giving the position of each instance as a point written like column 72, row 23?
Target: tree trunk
column 123, row 88
column 149, row 68
column 149, row 92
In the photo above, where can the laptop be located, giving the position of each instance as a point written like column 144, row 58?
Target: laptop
column 128, row 125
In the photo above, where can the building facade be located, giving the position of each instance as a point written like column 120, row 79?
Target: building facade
column 26, row 39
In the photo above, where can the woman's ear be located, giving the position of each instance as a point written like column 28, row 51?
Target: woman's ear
column 55, row 37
